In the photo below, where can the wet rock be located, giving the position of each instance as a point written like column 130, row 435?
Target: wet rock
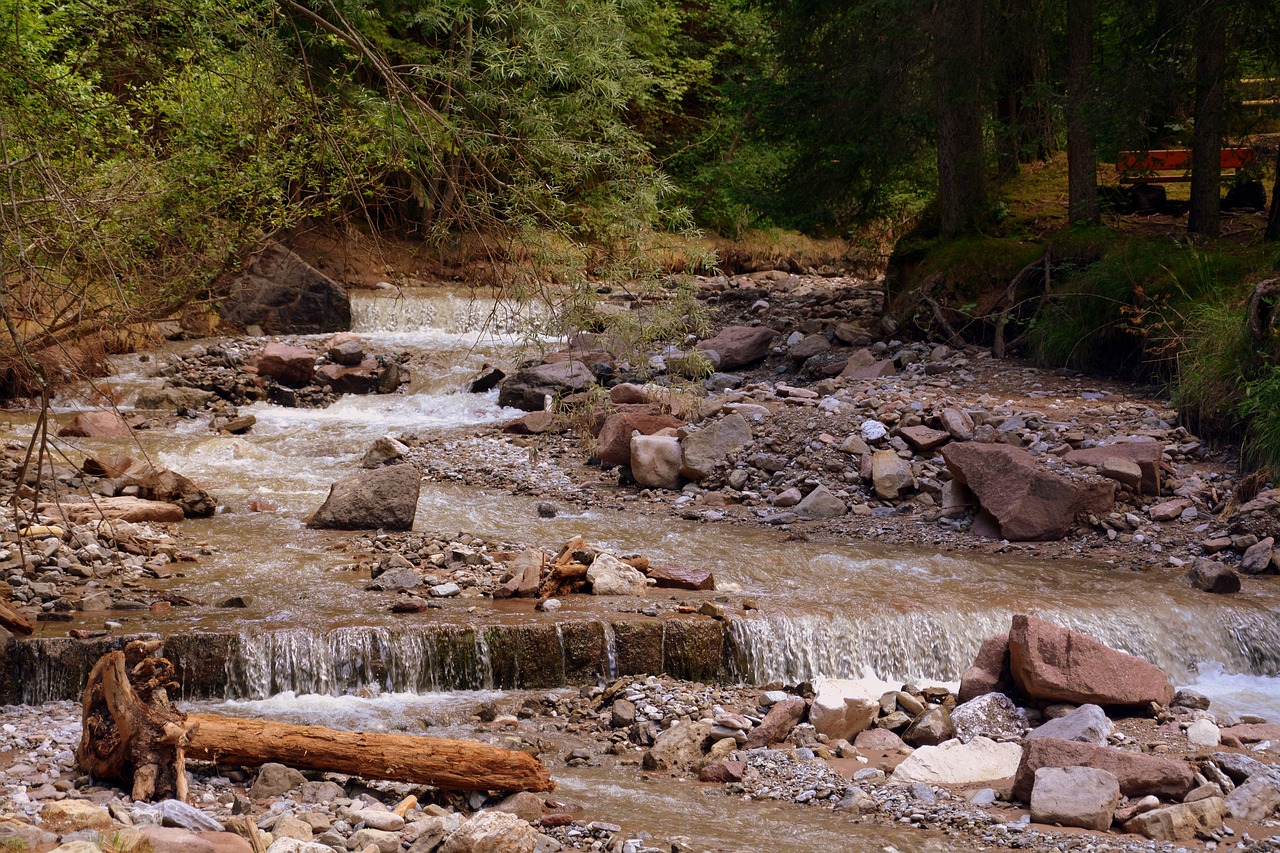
column 722, row 771
column 274, row 780
column 1143, row 454
column 991, row 715
column 393, row 580
column 1212, row 576
column 382, row 451
column 954, row 763
column 777, row 724
column 529, row 389
column 1181, row 822
column 990, row 671
column 1075, row 796
column 362, row 378
column 655, row 461
column 345, row 350
column 382, row 498
column 1185, row 697
column 1027, row 502
column 703, row 451
column 614, row 441
column 486, row 381
column 1255, row 800
column 610, row 576
column 681, row 748
column 161, row 484
column 820, row 505
column 97, row 425
column 283, row 294
column 843, row 707
column 740, row 346
column 1138, row 774
column 288, row 365
column 173, row 398
column 890, row 475
column 682, row 577
column 1086, row 724
column 1050, row 662
column 1257, row 558
column 930, row 728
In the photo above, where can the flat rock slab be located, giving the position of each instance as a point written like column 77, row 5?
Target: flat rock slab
column 96, row 425
column 1144, row 454
column 980, row 761
column 135, row 510
column 1138, row 775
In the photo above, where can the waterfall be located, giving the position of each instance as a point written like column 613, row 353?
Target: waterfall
column 380, row 312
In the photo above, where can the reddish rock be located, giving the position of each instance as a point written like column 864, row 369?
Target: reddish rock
column 682, row 577
column 172, row 840
column 1145, row 454
column 1138, row 774
column 288, row 365
column 534, row 423
column 874, row 370
column 722, row 771
column 1254, row 732
column 161, row 484
column 97, row 425
column 134, row 510
column 615, row 436
column 740, row 346
column 923, row 438
column 226, row 842
column 777, row 724
column 107, row 466
column 1054, row 663
column 879, row 739
column 990, row 671
column 359, row 379
column 1027, row 502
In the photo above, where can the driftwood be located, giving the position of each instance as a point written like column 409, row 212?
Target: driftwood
column 568, row 574
column 13, row 621
column 132, row 734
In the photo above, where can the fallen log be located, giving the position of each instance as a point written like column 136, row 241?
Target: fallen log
column 13, row 621
column 133, row 734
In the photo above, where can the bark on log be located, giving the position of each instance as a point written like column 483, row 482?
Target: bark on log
column 13, row 621
column 446, row 764
column 132, row 734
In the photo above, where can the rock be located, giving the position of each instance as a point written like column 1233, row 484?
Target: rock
column 396, row 579
column 991, row 715
column 722, row 771
column 173, row 398
column 1169, row 510
column 19, row 835
column 1182, row 822
column 682, row 577
column 681, row 748
column 363, row 378
column 1257, row 558
column 924, row 439
column 288, row 365
column 930, row 728
column 873, row 431
column 528, row 389
column 990, row 671
column 1240, row 768
column 1086, row 724
column 1138, row 774
column 1075, row 796
column 382, row 451
column 492, row 832
column 1054, row 663
column 294, row 845
column 1144, row 454
column 740, row 346
column 1254, row 732
column 890, row 475
column 1123, row 471
column 283, row 294
column 1027, row 503
column 534, row 423
column 161, row 484
column 808, row 347
column 168, row 839
column 880, row 739
column 135, row 510
column 77, row 846
column 1255, row 800
column 703, row 451
column 274, row 780
column 610, row 576
column 317, row 792
column 381, row 498
column 843, row 707
column 71, row 815
column 1212, row 576
column 980, row 761
column 1185, row 697
column 525, row 805
column 176, row 813
column 820, row 505
column 345, row 350
column 957, row 423
column 388, row 842
column 614, row 441
column 110, row 465
column 858, row 368
column 655, row 461
column 777, row 724
column 97, row 425
column 1203, row 733
column 379, row 819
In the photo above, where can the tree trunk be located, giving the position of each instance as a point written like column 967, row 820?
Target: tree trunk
column 962, row 180
column 132, row 733
column 1206, row 143
column 1082, row 162
column 1273, row 219
column 447, row 764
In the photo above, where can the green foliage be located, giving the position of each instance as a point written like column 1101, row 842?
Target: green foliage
column 1260, row 407
column 1213, row 354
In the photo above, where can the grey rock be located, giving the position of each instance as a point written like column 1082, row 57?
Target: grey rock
column 1075, row 796
column 991, row 715
column 1086, row 724
column 274, row 780
column 528, row 389
column 1255, row 800
column 890, row 474
column 382, row 451
column 820, row 505
column 405, row 577
column 1257, row 558
column 702, row 451
column 1212, row 576
column 178, row 814
column 382, row 498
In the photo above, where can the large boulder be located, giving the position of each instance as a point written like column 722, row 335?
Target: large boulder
column 1060, row 665
column 161, row 484
column 1075, row 796
column 528, row 389
column 930, row 728
column 610, row 576
column 288, row 365
column 681, row 748
column 843, row 707
column 989, row 672
column 1025, row 501
column 614, row 441
column 102, row 424
column 702, row 451
column 381, row 498
column 1212, row 576
column 655, row 461
column 991, row 715
column 283, row 294
column 1144, row 454
column 1138, row 774
column 1257, row 799
column 740, row 346
column 777, row 724
column 360, row 378
column 980, row 761
column 1181, row 822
